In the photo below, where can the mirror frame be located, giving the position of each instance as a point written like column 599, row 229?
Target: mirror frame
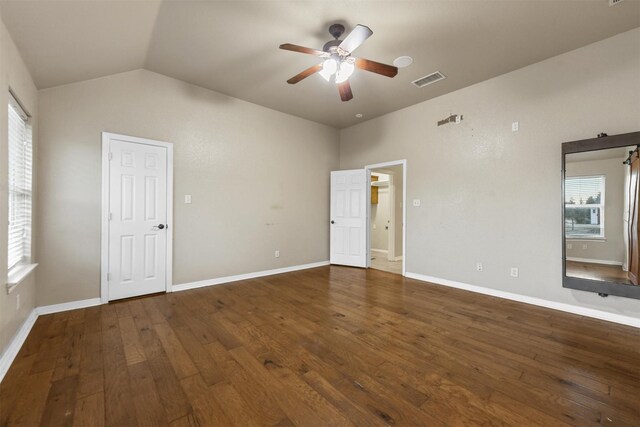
column 603, row 288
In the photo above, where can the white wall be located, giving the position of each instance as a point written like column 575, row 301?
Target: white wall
column 15, row 76
column 259, row 180
column 492, row 195
column 613, row 248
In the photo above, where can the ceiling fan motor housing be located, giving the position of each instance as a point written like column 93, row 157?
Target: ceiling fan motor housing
column 331, row 46
column 336, row 30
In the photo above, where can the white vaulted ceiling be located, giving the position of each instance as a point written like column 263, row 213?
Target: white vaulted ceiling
column 232, row 46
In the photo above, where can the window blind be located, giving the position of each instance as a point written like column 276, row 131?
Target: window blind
column 20, row 185
column 585, row 190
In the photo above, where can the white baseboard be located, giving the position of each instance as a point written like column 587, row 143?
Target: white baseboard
column 16, row 343
column 594, row 261
column 66, row 306
column 228, row 279
column 583, row 311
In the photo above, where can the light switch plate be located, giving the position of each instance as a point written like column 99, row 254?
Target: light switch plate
column 187, row 198
column 515, row 126
column 416, row 202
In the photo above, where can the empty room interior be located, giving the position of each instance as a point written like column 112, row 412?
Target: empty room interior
column 320, row 213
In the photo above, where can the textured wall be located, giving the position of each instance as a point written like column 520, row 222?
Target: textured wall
column 259, row 180
column 492, row 195
column 15, row 76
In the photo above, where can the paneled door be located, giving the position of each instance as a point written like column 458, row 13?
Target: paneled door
column 137, row 218
column 348, row 225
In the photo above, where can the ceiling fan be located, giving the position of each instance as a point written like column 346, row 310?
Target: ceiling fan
column 338, row 62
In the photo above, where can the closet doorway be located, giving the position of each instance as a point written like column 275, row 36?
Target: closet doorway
column 386, row 216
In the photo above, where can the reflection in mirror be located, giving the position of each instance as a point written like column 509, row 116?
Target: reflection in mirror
column 601, row 215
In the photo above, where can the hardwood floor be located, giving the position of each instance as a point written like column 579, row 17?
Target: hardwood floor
column 323, row 347
column 588, row 270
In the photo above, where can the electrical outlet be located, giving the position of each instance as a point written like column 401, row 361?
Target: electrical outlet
column 584, row 246
column 569, row 246
column 514, row 271
column 277, row 254
column 515, row 126
column 18, row 302
column 479, row 266
column 416, row 202
column 187, row 198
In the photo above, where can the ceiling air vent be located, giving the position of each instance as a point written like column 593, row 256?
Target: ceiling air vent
column 431, row 78
column 614, row 2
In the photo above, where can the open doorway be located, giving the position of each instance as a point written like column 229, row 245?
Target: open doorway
column 386, row 219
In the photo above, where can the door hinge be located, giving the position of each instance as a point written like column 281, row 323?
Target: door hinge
column 110, row 216
column 108, row 277
column 110, row 155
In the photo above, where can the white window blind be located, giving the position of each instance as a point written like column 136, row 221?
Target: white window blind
column 584, row 206
column 20, row 185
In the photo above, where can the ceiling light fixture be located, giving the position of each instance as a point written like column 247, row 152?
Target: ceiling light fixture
column 341, row 68
column 329, row 67
column 345, row 71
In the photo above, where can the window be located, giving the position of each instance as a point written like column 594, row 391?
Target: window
column 584, row 207
column 20, row 195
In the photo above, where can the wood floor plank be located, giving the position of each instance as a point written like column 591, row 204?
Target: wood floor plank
column 61, row 402
column 173, row 398
column 31, row 400
column 89, row 411
column 206, row 409
column 324, row 346
column 178, row 356
column 259, row 399
column 149, row 409
column 91, row 373
column 133, row 351
column 234, row 406
column 119, row 408
column 207, row 367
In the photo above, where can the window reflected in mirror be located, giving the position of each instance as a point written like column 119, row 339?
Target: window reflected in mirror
column 601, row 215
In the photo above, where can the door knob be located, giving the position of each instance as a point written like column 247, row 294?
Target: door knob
column 159, row 226
column 333, row 222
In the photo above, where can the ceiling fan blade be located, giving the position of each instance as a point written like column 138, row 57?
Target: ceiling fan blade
column 376, row 67
column 303, row 75
column 355, row 38
column 302, row 49
column 345, row 91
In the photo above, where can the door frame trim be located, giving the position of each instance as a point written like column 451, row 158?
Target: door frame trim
column 368, row 169
column 104, row 243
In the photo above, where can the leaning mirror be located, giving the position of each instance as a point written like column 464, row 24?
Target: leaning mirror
column 601, row 209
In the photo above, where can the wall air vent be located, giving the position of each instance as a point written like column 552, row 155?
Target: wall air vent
column 431, row 78
column 614, row 2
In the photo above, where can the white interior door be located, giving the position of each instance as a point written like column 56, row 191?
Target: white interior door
column 137, row 219
column 348, row 233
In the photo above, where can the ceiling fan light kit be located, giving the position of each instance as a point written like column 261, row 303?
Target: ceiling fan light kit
column 338, row 62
